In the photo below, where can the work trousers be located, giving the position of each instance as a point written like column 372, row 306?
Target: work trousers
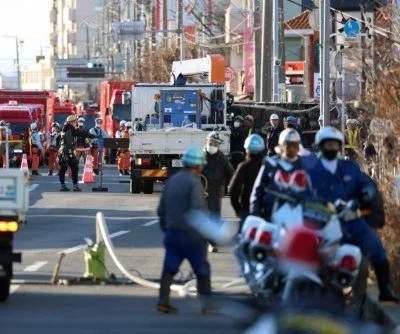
column 124, row 160
column 80, row 153
column 53, row 159
column 95, row 154
column 181, row 245
column 71, row 162
column 359, row 233
column 35, row 158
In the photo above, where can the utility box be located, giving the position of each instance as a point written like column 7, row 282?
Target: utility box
column 95, row 262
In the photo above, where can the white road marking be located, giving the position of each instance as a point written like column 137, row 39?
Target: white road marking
column 14, row 288
column 150, row 223
column 79, row 247
column 35, row 266
column 32, row 187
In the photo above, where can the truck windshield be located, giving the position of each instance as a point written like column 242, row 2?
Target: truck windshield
column 19, row 128
column 61, row 117
column 122, row 112
column 89, row 121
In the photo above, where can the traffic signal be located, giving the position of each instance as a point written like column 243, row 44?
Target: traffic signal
column 85, row 72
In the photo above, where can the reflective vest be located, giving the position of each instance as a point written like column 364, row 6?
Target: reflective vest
column 351, row 139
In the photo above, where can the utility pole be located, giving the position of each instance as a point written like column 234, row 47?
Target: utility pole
column 87, row 43
column 165, row 21
column 179, row 15
column 282, row 55
column 18, row 64
column 325, row 26
column 266, row 56
column 276, row 62
column 257, row 50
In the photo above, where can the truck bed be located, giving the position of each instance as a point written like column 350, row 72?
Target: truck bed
column 172, row 141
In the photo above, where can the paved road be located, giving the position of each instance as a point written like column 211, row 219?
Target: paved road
column 58, row 222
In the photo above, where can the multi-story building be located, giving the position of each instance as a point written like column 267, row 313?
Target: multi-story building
column 37, row 76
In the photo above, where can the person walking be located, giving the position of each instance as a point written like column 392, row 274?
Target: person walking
column 218, row 172
column 183, row 192
column 66, row 153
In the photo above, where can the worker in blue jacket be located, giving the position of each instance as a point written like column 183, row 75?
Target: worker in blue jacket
column 183, row 193
column 287, row 161
column 333, row 179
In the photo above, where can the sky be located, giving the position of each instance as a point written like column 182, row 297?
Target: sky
column 30, row 20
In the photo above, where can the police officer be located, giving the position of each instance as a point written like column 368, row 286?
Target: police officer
column 98, row 132
column 66, row 153
column 123, row 154
column 333, row 179
column 36, row 148
column 272, row 134
column 243, row 180
column 53, row 149
column 82, row 144
column 237, row 140
column 287, row 159
column 183, row 192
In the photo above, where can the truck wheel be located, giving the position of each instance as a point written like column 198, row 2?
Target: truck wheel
column 135, row 186
column 4, row 288
column 148, row 185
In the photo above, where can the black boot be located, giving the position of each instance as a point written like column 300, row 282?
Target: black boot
column 50, row 173
column 204, row 289
column 163, row 303
column 64, row 188
column 382, row 273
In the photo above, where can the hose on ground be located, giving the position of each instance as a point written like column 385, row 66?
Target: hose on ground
column 229, row 284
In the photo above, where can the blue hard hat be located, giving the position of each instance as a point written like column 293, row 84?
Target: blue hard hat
column 194, row 156
column 254, row 143
column 291, row 119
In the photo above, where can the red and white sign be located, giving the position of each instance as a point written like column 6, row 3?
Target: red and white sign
column 294, row 67
column 230, row 74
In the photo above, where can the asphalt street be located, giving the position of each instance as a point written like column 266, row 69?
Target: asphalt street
column 58, row 222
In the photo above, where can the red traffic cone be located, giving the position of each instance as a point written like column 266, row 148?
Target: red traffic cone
column 88, row 170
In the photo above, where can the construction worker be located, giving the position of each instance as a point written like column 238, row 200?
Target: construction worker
column 82, row 144
column 183, row 192
column 98, row 132
column 271, row 134
column 248, row 125
column 36, row 148
column 291, row 123
column 243, row 180
column 66, row 153
column 218, row 173
column 123, row 154
column 237, row 141
column 53, row 149
column 352, row 139
column 128, row 125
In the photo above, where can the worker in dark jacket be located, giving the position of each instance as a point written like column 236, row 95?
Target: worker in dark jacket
column 272, row 135
column 237, row 140
column 183, row 193
column 66, row 153
column 243, row 180
column 218, row 173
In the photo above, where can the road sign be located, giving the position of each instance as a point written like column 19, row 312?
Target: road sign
column 85, row 72
column 351, row 89
column 129, row 31
column 230, row 74
column 351, row 28
column 348, row 59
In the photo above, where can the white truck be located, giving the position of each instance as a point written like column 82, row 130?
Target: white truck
column 168, row 119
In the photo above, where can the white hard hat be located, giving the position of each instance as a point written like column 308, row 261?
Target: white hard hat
column 81, row 120
column 33, row 126
column 289, row 136
column 328, row 133
column 128, row 124
column 351, row 121
column 122, row 123
column 274, row 117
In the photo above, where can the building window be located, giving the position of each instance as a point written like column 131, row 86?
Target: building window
column 293, row 49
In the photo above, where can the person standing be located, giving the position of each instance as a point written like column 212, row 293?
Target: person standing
column 237, row 141
column 98, row 133
column 243, row 180
column 352, row 139
column 291, row 123
column 248, row 125
column 82, row 144
column 53, row 149
column 183, row 192
column 66, row 153
column 218, row 172
column 272, row 135
column 123, row 154
column 36, row 148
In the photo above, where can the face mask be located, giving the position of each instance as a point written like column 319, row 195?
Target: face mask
column 211, row 149
column 329, row 154
column 236, row 124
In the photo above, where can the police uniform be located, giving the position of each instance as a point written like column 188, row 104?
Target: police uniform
column 97, row 132
column 53, row 151
column 36, row 149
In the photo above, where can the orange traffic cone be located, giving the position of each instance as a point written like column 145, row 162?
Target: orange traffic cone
column 88, row 170
column 24, row 165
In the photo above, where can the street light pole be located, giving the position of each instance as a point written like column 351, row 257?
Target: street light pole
column 18, row 65
column 325, row 26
